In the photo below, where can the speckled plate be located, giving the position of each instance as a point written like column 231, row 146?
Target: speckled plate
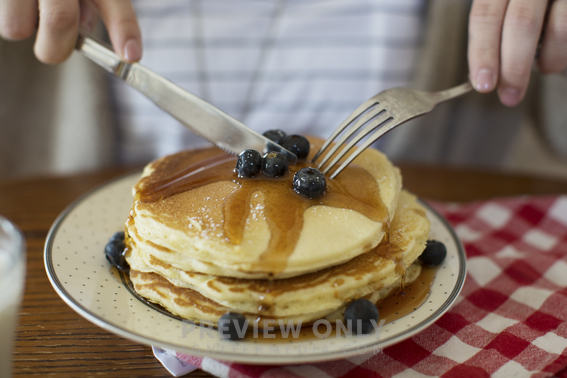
column 81, row 275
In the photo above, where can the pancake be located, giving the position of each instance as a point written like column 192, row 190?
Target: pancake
column 205, row 219
column 374, row 274
column 192, row 305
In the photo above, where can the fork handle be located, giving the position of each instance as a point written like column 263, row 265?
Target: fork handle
column 453, row 92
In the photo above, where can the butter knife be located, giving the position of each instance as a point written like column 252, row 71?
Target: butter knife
column 202, row 118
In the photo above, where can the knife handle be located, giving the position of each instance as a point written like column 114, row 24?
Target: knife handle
column 101, row 54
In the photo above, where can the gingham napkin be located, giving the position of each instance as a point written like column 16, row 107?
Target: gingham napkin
column 509, row 321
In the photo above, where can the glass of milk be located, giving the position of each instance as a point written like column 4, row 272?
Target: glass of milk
column 12, row 273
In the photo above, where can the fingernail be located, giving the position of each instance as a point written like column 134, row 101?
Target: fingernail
column 132, row 51
column 510, row 97
column 484, row 80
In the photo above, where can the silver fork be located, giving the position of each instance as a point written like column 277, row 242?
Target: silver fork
column 379, row 115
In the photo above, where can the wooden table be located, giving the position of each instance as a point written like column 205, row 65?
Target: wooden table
column 54, row 340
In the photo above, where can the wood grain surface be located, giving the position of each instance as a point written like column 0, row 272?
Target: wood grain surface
column 53, row 340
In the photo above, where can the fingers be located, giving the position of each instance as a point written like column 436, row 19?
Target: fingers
column 553, row 53
column 18, row 19
column 485, row 28
column 59, row 22
column 89, row 15
column 57, row 31
column 122, row 24
column 520, row 34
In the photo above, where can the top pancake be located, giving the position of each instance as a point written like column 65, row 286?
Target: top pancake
column 217, row 223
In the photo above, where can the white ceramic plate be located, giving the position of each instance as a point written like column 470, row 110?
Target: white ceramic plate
column 81, row 275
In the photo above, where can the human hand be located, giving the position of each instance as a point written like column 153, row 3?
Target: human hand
column 59, row 22
column 503, row 38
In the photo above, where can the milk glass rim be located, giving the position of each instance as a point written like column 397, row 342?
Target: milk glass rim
column 16, row 242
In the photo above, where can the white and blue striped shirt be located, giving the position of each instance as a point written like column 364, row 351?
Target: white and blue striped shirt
column 298, row 65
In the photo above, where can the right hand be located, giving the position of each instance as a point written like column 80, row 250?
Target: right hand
column 503, row 40
column 57, row 23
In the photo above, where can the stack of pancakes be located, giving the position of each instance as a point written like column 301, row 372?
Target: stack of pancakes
column 203, row 242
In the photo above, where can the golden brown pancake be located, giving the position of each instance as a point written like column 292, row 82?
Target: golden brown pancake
column 325, row 293
column 192, row 212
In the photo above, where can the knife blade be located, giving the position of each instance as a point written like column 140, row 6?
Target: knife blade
column 199, row 116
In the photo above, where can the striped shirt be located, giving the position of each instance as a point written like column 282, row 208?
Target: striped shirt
column 298, row 65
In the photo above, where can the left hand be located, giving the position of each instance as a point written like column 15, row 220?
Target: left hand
column 503, row 38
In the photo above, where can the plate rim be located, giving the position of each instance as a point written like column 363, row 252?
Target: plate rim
column 239, row 357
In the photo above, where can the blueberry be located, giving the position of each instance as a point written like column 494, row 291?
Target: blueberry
column 232, row 326
column 118, row 236
column 274, row 164
column 248, row 164
column 434, row 253
column 309, row 182
column 114, row 251
column 364, row 310
column 297, row 144
column 276, row 135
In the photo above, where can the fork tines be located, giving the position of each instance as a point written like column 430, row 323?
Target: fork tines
column 369, row 115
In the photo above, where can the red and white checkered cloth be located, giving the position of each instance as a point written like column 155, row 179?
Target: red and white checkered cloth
column 509, row 321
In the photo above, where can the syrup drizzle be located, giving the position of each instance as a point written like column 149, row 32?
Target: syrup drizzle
column 354, row 189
